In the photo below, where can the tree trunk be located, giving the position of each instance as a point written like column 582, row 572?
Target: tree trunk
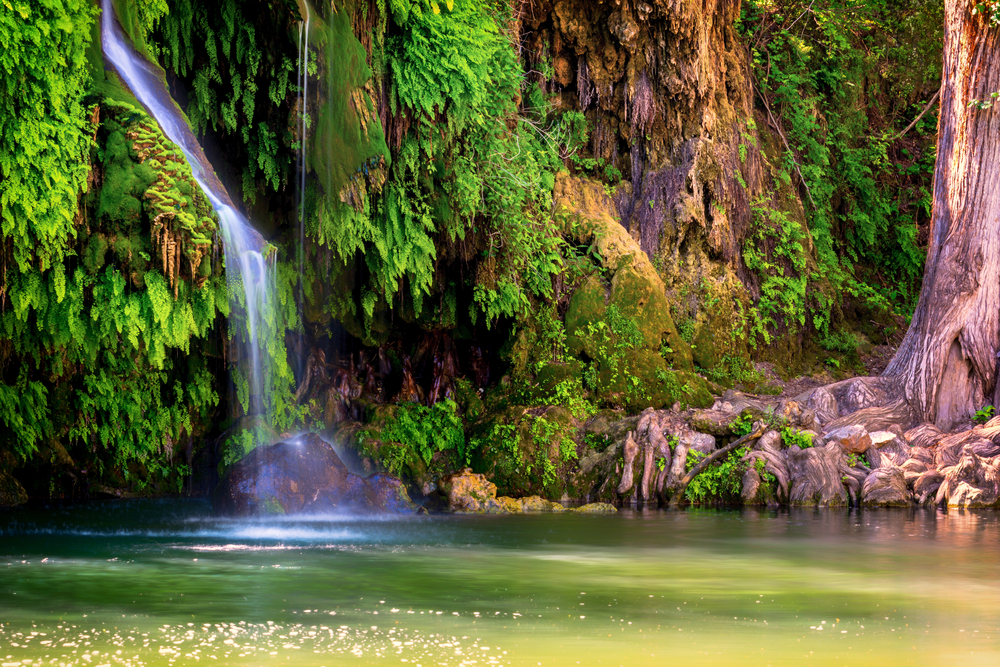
column 947, row 363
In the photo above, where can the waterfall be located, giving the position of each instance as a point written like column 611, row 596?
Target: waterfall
column 249, row 276
column 303, row 81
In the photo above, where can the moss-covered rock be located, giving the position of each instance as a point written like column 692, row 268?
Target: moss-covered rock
column 11, row 491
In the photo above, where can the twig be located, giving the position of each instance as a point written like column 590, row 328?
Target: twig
column 917, row 119
column 709, row 460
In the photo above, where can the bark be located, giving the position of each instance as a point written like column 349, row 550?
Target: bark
column 947, row 363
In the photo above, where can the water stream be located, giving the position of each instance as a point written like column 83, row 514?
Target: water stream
column 249, row 276
column 159, row 583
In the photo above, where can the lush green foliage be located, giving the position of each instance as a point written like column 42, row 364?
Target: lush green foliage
column 240, row 79
column 843, row 79
column 472, row 169
column 720, row 481
column 43, row 138
column 427, row 430
column 96, row 324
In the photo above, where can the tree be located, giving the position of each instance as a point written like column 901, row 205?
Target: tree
column 946, row 366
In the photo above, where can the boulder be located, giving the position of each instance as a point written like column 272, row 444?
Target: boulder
column 853, row 439
column 471, row 493
column 305, row 476
column 885, row 487
column 11, row 491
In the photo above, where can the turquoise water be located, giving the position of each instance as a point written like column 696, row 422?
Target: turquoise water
column 161, row 583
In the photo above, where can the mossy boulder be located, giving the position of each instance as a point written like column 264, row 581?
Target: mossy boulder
column 527, row 451
column 11, row 491
column 618, row 320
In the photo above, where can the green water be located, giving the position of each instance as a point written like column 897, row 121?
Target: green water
column 160, row 583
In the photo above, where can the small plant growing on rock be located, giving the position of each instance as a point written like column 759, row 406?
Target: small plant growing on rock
column 793, row 438
column 984, row 414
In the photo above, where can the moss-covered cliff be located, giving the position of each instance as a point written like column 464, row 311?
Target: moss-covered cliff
column 513, row 207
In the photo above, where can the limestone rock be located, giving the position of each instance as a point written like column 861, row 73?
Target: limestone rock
column 304, row 476
column 853, row 439
column 885, row 487
column 595, row 508
column 469, row 492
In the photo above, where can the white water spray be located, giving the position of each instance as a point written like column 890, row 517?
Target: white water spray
column 249, row 276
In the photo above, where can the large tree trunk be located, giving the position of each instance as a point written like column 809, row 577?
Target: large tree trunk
column 947, row 363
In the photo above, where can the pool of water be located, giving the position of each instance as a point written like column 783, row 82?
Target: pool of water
column 166, row 582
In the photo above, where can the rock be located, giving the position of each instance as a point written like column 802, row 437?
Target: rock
column 879, row 438
column 539, row 504
column 11, row 491
column 814, row 475
column 885, row 487
column 853, row 439
column 970, row 483
column 595, row 508
column 304, row 476
column 695, row 441
column 472, row 493
column 468, row 492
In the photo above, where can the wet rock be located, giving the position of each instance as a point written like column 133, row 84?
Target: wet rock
column 472, row 493
column 469, row 492
column 885, row 487
column 972, row 482
column 11, row 491
column 815, row 477
column 304, row 476
column 853, row 439
column 595, row 508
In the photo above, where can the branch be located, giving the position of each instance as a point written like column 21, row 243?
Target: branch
column 917, row 119
column 709, row 460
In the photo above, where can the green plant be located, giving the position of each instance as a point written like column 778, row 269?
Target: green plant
column 427, row 430
column 720, row 482
column 984, row 414
column 792, row 437
column 742, row 425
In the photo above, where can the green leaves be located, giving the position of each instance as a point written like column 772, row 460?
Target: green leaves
column 43, row 76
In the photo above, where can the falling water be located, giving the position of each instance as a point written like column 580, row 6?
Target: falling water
column 303, row 81
column 249, row 276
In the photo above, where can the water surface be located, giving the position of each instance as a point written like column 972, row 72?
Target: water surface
column 166, row 582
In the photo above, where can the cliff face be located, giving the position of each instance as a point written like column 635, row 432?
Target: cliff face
column 666, row 87
column 572, row 203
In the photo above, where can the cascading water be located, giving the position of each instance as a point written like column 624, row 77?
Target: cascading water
column 249, row 276
column 303, row 81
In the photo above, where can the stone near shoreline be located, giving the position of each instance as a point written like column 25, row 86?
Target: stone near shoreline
column 305, row 477
column 471, row 493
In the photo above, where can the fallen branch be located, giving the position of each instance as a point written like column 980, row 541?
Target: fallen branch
column 709, row 460
column 917, row 119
